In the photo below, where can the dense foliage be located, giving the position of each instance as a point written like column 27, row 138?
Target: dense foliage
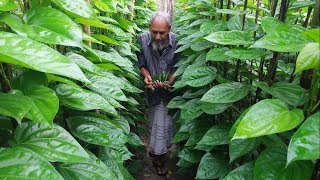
column 67, row 98
column 249, row 85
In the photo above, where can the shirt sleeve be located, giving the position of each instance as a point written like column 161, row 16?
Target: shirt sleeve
column 140, row 54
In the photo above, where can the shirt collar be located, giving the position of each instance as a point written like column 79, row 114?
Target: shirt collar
column 170, row 39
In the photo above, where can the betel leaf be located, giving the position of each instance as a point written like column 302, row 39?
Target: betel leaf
column 53, row 143
column 305, row 143
column 7, row 5
column 268, row 116
column 230, row 38
column 118, row 153
column 14, row 22
column 45, row 104
column 244, row 172
column 119, row 170
column 184, row 164
column 18, row 50
column 191, row 109
column 236, row 124
column 236, row 23
column 212, row 166
column 104, row 38
column 134, row 139
column 240, row 147
column 84, row 63
column 190, row 155
column 14, row 105
column 245, row 54
column 308, row 58
column 20, row 163
column 91, row 168
column 214, row 108
column 225, row 93
column 51, row 26
column 201, row 45
column 212, row 26
column 199, row 76
column 313, row 34
column 269, row 163
column 77, row 8
column 216, row 135
column 176, row 102
column 81, row 99
column 29, row 78
column 217, row 54
column 296, row 171
column 195, row 136
column 96, row 131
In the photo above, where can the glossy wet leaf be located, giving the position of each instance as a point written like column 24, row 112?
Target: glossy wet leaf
column 212, row 166
column 244, row 172
column 96, row 130
column 236, row 124
column 268, row 116
column 312, row 34
column 214, row 108
column 308, row 58
column 84, row 63
column 76, row 8
column 212, row 26
column 119, row 170
column 14, row 105
column 240, row 147
column 81, row 99
column 245, row 54
column 122, row 123
column 7, row 5
column 18, row 50
column 191, row 155
column 201, row 45
column 235, row 23
column 225, row 93
column 195, row 136
column 51, row 26
column 104, row 38
column 134, row 139
column 305, row 143
column 53, row 143
column 217, row 54
column 14, row 22
column 269, row 163
column 45, row 104
column 199, row 76
column 118, row 153
column 20, row 163
column 184, row 164
column 176, row 102
column 191, row 109
column 296, row 171
column 230, row 38
column 91, row 168
column 180, row 136
column 216, row 135
column 115, row 58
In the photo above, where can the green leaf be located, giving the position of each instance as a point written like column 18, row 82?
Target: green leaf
column 245, row 54
column 296, row 171
column 229, row 11
column 236, row 124
column 191, row 109
column 88, row 169
column 7, row 5
column 14, row 105
column 51, row 26
column 184, row 164
column 104, row 38
column 180, row 136
column 116, row 59
column 212, row 166
column 122, row 123
column 312, row 34
column 216, row 135
column 214, row 108
column 76, row 8
column 244, row 172
column 225, row 93
column 119, row 170
column 134, row 139
column 84, row 63
column 268, row 116
column 195, row 136
column 235, row 23
column 305, row 143
column 31, row 54
column 176, row 102
column 308, row 58
column 230, row 38
column 20, row 163
column 45, row 104
column 217, row 54
column 191, row 95
column 96, row 131
column 212, row 26
column 53, row 143
column 28, row 79
column 118, row 153
column 201, row 45
column 93, row 22
column 191, row 155
column 240, row 147
column 199, row 76
column 14, row 22
column 81, row 99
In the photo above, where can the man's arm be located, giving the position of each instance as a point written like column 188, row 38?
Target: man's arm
column 146, row 78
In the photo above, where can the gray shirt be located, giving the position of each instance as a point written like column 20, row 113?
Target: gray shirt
column 155, row 63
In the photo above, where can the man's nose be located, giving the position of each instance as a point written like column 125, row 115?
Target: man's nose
column 158, row 37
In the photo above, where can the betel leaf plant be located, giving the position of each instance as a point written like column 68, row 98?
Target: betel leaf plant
column 248, row 89
column 67, row 100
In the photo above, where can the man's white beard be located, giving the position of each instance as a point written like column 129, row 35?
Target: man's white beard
column 161, row 46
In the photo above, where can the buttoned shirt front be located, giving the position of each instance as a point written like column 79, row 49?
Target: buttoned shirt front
column 157, row 63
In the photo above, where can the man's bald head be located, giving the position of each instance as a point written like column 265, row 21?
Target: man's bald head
column 160, row 16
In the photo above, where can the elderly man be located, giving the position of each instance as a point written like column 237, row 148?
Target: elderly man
column 158, row 56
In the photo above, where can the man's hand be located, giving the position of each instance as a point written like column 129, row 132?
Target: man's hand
column 148, row 82
column 157, row 84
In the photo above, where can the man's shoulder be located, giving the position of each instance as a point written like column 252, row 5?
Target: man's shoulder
column 144, row 37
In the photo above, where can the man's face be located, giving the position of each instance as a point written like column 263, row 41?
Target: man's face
column 159, row 30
